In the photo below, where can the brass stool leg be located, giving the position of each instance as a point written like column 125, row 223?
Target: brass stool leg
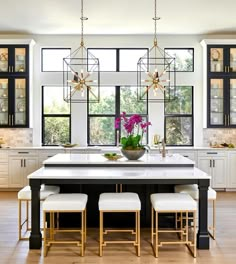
column 194, row 236
column 85, row 225
column 138, row 232
column 214, row 218
column 27, row 215
column 101, row 233
column 45, row 235
column 152, row 221
column 82, row 233
column 156, row 223
column 19, row 219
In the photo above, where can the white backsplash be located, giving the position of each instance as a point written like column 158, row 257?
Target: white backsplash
column 222, row 135
column 15, row 137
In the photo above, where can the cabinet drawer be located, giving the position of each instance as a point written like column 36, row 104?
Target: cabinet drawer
column 186, row 154
column 21, row 153
column 211, row 153
column 3, row 156
column 3, row 168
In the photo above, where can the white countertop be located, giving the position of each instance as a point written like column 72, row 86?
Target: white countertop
column 118, row 173
column 99, row 159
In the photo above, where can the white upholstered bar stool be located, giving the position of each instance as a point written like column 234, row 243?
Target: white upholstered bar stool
column 173, row 203
column 192, row 190
column 119, row 203
column 64, row 203
column 24, row 195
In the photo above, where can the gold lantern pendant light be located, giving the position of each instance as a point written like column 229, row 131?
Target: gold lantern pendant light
column 156, row 72
column 81, row 73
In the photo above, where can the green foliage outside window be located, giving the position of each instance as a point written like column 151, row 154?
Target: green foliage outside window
column 102, row 119
column 178, row 118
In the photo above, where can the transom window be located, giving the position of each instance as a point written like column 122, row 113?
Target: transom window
column 52, row 59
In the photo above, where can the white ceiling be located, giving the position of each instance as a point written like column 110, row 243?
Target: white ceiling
column 118, row 17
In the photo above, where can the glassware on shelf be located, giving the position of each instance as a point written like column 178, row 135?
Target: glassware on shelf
column 3, row 107
column 21, row 106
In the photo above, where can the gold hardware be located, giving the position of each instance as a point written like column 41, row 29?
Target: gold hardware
column 12, row 120
column 228, row 68
column 9, row 120
column 225, row 120
column 228, row 120
column 12, row 69
column 225, row 68
column 9, row 68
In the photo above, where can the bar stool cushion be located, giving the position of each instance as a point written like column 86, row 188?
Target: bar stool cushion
column 66, row 202
column 192, row 190
column 119, row 201
column 45, row 191
column 173, row 202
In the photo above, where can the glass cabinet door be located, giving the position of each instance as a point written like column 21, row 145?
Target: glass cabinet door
column 4, row 112
column 232, row 62
column 232, row 113
column 217, row 102
column 4, row 60
column 217, row 60
column 20, row 60
column 20, row 102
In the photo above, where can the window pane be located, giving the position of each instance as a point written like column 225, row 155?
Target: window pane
column 56, row 130
column 183, row 59
column 129, row 103
column 53, row 101
column 102, row 131
column 178, row 130
column 107, row 58
column 129, row 58
column 52, row 59
column 106, row 104
column 183, row 102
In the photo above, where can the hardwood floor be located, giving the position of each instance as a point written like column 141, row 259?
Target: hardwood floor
column 223, row 249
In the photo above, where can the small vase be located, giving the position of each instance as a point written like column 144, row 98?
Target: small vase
column 133, row 154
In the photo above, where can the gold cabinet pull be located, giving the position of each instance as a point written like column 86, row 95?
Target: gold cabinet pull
column 12, row 121
column 225, row 120
column 12, row 68
column 228, row 68
column 228, row 120
column 9, row 120
column 225, row 68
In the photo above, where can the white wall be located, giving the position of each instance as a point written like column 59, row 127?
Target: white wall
column 79, row 115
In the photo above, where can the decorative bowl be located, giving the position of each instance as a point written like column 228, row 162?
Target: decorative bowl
column 68, row 145
column 112, row 156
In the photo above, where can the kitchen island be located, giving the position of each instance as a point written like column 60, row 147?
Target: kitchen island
column 93, row 170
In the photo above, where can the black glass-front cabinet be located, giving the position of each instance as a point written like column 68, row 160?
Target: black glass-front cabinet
column 221, row 83
column 14, row 86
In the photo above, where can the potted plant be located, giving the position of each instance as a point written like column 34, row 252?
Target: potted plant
column 135, row 128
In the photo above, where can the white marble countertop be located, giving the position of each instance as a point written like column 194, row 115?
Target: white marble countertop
column 98, row 159
column 118, row 173
column 108, row 148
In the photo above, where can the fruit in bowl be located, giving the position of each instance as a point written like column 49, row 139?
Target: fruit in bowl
column 112, row 156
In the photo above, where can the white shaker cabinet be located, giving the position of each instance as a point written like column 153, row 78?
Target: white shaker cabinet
column 21, row 164
column 231, row 179
column 215, row 164
column 4, row 169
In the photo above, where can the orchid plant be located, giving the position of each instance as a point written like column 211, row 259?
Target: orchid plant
column 135, row 128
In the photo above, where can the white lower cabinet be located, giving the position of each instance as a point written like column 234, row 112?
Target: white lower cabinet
column 4, row 169
column 231, row 183
column 20, row 166
column 214, row 163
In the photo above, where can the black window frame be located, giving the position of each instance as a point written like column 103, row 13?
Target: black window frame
column 52, row 115
column 115, row 115
column 51, row 49
column 118, row 56
column 181, row 115
column 181, row 48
